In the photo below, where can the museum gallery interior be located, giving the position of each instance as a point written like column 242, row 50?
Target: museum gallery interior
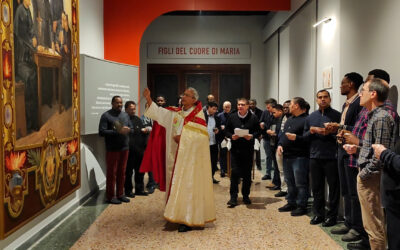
column 62, row 62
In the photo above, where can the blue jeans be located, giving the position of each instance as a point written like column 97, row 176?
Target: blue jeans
column 269, row 156
column 296, row 177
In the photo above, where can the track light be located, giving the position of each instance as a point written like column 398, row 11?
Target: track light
column 325, row 20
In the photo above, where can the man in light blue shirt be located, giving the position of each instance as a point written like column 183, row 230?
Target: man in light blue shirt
column 214, row 128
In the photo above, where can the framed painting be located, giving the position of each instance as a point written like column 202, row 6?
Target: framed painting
column 39, row 120
column 327, row 75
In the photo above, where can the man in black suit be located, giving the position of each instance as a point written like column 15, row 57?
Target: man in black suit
column 215, row 134
column 25, row 42
column 265, row 123
column 137, row 145
column 353, row 227
column 223, row 150
column 242, row 150
column 390, row 190
column 258, row 112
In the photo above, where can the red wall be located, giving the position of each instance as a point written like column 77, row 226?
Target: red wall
column 126, row 20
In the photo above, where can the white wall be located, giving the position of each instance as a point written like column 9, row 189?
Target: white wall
column 328, row 48
column 284, row 67
column 91, row 28
column 296, row 53
column 208, row 29
column 302, row 54
column 363, row 35
column 92, row 169
column 276, row 19
column 370, row 37
column 271, row 67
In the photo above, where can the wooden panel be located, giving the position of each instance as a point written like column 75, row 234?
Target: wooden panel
column 211, row 72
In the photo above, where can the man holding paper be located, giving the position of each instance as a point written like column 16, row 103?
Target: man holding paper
column 242, row 128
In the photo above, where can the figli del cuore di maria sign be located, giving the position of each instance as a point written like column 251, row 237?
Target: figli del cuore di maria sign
column 191, row 51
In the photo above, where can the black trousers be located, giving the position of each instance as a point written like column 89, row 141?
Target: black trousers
column 241, row 165
column 348, row 187
column 134, row 161
column 393, row 226
column 223, row 157
column 214, row 158
column 321, row 169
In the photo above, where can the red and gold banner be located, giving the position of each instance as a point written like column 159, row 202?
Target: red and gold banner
column 40, row 156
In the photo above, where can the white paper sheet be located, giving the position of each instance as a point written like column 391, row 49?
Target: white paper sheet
column 241, row 132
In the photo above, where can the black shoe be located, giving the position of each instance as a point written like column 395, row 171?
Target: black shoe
column 222, row 174
column 276, row 188
column 232, row 203
column 123, row 199
column 316, row 220
column 183, row 228
column 329, row 222
column 150, row 189
column 215, row 181
column 299, row 211
column 280, row 194
column 246, row 200
column 352, row 235
column 141, row 193
column 114, row 201
column 130, row 195
column 341, row 229
column 266, row 177
column 362, row 244
column 287, row 208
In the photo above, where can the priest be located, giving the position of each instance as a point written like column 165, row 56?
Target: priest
column 189, row 189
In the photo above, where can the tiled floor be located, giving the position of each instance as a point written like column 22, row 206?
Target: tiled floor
column 139, row 224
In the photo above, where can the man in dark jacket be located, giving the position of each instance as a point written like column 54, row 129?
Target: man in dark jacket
column 114, row 127
column 242, row 150
column 137, row 145
column 323, row 160
column 390, row 190
column 348, row 175
column 273, row 132
column 223, row 150
column 258, row 112
column 294, row 148
column 25, row 43
column 265, row 123
column 214, row 132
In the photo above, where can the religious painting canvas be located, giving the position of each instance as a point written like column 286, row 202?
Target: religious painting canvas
column 40, row 107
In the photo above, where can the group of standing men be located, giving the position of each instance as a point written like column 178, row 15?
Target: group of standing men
column 351, row 151
column 125, row 139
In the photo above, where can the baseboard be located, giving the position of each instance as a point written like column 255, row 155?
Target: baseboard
column 37, row 236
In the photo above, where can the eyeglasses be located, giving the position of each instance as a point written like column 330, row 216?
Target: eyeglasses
column 364, row 90
column 187, row 95
column 241, row 104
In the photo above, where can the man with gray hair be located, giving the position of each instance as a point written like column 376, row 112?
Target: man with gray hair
column 187, row 174
column 223, row 150
column 379, row 131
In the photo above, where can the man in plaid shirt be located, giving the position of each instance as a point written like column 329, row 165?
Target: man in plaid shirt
column 379, row 130
column 361, row 125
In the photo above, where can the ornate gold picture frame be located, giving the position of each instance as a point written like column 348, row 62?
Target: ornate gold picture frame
column 40, row 129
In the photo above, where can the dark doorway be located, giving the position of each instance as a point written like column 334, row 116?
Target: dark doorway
column 226, row 82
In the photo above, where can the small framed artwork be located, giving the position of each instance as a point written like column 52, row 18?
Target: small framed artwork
column 327, row 78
